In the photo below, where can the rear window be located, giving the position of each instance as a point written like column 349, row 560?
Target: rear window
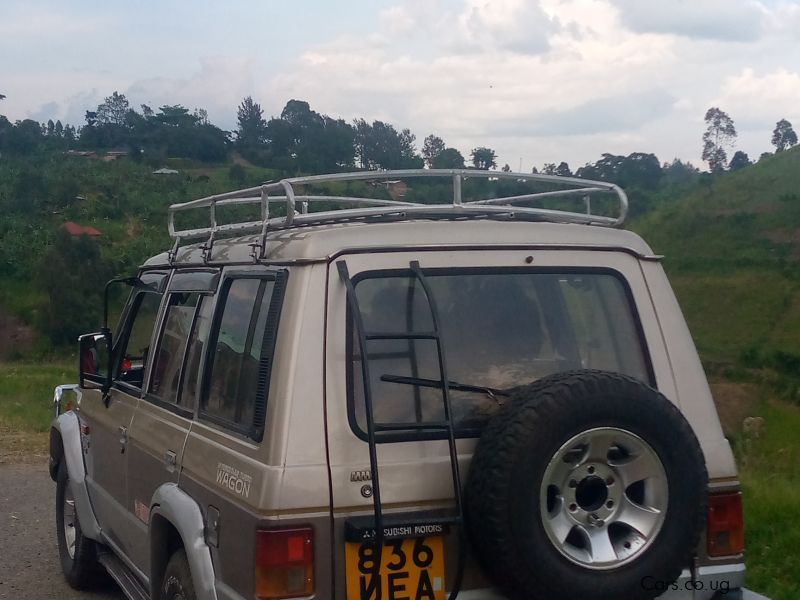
column 501, row 329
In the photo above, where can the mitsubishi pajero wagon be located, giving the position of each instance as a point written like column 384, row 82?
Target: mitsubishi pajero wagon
column 345, row 397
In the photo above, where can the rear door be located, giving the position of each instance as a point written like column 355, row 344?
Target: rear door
column 223, row 466
column 158, row 432
column 507, row 320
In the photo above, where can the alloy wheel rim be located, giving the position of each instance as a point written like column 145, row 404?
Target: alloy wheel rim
column 603, row 498
column 70, row 518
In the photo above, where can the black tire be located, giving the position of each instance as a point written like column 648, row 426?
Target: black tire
column 503, row 491
column 81, row 570
column 177, row 583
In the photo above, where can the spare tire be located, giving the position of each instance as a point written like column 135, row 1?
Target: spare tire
column 586, row 484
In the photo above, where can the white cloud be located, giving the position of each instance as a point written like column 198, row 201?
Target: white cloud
column 546, row 80
column 31, row 21
column 516, row 25
column 754, row 99
column 728, row 20
column 218, row 86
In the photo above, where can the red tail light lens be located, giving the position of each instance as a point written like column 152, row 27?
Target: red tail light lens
column 725, row 524
column 284, row 563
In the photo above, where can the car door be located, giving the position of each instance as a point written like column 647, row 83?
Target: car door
column 162, row 421
column 108, row 419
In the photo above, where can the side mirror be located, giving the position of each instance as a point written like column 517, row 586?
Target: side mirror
column 94, row 350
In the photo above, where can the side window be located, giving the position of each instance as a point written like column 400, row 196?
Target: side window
column 198, row 341
column 241, row 354
column 134, row 350
column 168, row 363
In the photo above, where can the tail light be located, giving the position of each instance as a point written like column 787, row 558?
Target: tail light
column 725, row 524
column 284, row 563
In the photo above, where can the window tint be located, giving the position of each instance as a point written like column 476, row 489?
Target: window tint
column 168, row 363
column 501, row 330
column 233, row 383
column 135, row 350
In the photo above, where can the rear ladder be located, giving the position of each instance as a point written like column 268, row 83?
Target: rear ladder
column 376, row 430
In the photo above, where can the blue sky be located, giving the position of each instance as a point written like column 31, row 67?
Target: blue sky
column 538, row 80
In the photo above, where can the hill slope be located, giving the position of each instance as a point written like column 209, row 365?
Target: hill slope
column 732, row 251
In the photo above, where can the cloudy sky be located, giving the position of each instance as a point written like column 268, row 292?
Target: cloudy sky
column 538, row 80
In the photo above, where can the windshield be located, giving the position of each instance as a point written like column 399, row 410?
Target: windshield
column 501, row 329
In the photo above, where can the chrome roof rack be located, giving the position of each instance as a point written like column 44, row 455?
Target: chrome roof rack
column 297, row 213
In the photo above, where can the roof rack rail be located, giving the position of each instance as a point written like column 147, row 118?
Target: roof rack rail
column 297, row 213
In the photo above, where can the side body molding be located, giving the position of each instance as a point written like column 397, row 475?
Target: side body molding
column 67, row 426
column 171, row 505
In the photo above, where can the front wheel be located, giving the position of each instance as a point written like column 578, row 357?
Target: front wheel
column 78, row 554
column 177, row 583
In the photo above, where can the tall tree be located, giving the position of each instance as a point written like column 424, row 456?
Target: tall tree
column 783, row 136
column 113, row 110
column 563, row 170
column 718, row 139
column 251, row 129
column 483, row 158
column 740, row 160
column 449, row 158
column 432, row 148
column 380, row 146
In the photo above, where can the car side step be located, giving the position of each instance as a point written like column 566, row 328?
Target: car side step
column 120, row 573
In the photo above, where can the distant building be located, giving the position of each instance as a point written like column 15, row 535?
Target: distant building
column 114, row 155
column 84, row 153
column 165, row 171
column 397, row 188
column 76, row 230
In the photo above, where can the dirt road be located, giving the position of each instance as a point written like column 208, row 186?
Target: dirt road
column 29, row 567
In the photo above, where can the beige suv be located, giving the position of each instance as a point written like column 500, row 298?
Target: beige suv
column 398, row 400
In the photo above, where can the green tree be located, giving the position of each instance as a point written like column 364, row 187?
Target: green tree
column 549, row 169
column 783, row 136
column 718, row 139
column 113, row 110
column 449, row 158
column 679, row 174
column 251, row 129
column 483, row 158
column 432, row 148
column 563, row 170
column 740, row 160
column 380, row 146
column 72, row 273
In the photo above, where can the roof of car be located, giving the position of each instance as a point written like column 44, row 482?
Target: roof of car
column 322, row 242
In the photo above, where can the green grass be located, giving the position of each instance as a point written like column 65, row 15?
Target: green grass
column 731, row 313
column 26, row 393
column 770, row 475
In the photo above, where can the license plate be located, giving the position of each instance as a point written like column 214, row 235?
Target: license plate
column 411, row 569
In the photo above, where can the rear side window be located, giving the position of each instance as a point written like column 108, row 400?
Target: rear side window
column 241, row 354
column 501, row 329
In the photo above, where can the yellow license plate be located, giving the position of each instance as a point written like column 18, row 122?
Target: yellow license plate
column 411, row 569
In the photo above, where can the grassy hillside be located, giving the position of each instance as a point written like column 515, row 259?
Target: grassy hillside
column 732, row 250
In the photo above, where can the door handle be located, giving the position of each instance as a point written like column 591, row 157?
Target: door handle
column 170, row 459
column 123, row 438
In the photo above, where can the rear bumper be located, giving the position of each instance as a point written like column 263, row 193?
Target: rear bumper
column 712, row 583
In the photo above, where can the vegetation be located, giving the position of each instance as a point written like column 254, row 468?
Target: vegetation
column 730, row 238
